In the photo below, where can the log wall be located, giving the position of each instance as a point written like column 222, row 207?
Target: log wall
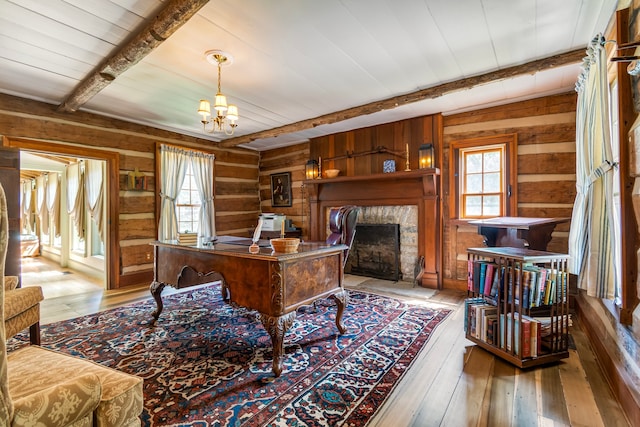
column 545, row 129
column 237, row 202
column 287, row 159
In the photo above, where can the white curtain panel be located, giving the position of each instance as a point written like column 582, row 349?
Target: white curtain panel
column 591, row 237
column 202, row 165
column 41, row 203
column 53, row 201
column 94, row 192
column 27, row 226
column 173, row 167
column 75, row 198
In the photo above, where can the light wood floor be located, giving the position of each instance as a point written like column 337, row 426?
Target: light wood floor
column 451, row 383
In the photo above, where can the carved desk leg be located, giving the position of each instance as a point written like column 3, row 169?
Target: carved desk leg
column 342, row 300
column 156, row 290
column 277, row 327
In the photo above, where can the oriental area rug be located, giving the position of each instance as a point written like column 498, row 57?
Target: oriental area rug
column 206, row 363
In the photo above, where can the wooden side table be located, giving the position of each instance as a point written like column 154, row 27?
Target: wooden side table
column 517, row 232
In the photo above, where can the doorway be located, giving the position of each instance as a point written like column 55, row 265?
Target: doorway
column 74, row 246
column 111, row 191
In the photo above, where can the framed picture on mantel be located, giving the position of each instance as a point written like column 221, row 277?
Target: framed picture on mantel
column 281, row 189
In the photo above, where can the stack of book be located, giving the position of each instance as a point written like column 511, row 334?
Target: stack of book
column 188, row 239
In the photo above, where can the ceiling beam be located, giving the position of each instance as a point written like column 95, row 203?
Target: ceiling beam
column 173, row 16
column 560, row 60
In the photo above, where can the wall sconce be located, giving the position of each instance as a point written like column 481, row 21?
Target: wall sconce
column 311, row 169
column 425, row 156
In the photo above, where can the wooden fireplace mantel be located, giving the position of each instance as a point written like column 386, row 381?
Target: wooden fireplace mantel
column 418, row 187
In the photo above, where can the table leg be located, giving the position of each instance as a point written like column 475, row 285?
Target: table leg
column 156, row 291
column 277, row 327
column 342, row 300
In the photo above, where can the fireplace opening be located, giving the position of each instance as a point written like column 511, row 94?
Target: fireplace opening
column 375, row 252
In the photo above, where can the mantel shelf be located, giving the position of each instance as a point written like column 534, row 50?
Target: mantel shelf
column 375, row 177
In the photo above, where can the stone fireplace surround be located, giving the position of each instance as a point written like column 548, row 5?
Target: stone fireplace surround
column 385, row 193
column 407, row 217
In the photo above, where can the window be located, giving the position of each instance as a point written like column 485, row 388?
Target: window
column 483, row 180
column 482, row 184
column 188, row 204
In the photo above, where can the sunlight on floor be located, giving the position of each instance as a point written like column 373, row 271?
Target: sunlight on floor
column 55, row 280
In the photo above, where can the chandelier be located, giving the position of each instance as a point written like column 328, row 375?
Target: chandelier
column 225, row 116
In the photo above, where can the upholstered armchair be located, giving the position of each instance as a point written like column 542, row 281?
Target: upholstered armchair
column 40, row 387
column 342, row 225
column 22, row 309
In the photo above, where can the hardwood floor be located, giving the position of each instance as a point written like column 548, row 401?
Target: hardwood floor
column 451, row 383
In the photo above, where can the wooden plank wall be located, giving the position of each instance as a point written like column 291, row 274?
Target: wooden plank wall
column 545, row 128
column 354, row 146
column 237, row 198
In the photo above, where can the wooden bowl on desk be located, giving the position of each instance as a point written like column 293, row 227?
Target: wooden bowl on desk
column 285, row 244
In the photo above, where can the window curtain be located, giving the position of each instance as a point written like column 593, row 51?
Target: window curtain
column 53, row 201
column 27, row 224
column 591, row 236
column 41, row 204
column 94, row 192
column 75, row 198
column 202, row 166
column 173, row 167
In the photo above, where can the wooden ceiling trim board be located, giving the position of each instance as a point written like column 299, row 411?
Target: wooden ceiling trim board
column 555, row 61
column 172, row 17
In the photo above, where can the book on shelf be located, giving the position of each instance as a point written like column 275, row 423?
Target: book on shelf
column 481, row 325
column 530, row 345
column 498, row 279
column 476, row 318
column 492, row 329
column 480, row 276
column 468, row 303
column 490, row 273
column 470, row 275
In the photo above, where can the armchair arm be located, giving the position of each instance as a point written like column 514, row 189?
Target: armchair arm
column 10, row 283
column 59, row 405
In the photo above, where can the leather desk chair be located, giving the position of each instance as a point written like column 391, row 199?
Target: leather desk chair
column 342, row 224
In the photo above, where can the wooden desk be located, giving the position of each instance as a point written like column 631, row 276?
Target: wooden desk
column 275, row 234
column 518, row 232
column 274, row 284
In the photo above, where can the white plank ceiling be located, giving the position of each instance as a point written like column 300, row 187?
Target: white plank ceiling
column 293, row 59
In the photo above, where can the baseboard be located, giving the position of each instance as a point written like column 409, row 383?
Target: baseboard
column 135, row 279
